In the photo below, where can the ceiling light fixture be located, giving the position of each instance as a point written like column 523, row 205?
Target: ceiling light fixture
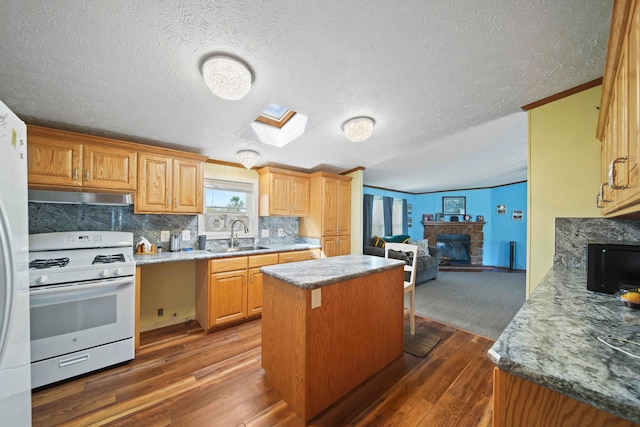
column 358, row 128
column 226, row 76
column 248, row 158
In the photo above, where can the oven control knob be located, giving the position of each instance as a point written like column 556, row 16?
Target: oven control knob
column 118, row 272
column 104, row 273
column 42, row 280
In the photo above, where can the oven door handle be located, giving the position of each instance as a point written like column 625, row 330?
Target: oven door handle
column 73, row 288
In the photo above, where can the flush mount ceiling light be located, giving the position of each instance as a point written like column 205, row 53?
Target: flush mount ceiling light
column 358, row 128
column 248, row 158
column 226, row 76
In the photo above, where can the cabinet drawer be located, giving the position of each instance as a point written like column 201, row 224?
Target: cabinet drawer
column 262, row 260
column 228, row 264
column 299, row 255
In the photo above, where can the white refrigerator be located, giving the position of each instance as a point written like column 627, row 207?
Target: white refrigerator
column 15, row 358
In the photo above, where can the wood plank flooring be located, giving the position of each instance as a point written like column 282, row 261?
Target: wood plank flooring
column 183, row 377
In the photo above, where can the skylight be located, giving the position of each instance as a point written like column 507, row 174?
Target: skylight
column 275, row 115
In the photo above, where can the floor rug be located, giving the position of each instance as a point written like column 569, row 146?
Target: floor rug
column 421, row 343
column 481, row 303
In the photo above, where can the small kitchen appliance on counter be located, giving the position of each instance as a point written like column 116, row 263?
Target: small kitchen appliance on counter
column 612, row 265
column 174, row 244
column 82, row 289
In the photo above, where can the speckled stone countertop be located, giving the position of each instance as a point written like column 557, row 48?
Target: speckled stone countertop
column 321, row 272
column 194, row 255
column 552, row 341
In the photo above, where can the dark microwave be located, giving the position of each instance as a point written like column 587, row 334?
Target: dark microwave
column 612, row 265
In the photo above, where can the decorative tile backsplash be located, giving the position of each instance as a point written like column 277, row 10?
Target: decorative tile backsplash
column 50, row 217
column 572, row 235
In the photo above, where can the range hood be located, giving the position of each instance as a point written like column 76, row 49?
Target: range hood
column 80, row 198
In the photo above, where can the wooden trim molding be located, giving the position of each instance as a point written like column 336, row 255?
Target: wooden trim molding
column 563, row 94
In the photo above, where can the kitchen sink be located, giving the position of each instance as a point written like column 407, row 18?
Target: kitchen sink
column 237, row 249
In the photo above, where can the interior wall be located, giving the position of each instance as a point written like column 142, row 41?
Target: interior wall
column 357, row 179
column 564, row 172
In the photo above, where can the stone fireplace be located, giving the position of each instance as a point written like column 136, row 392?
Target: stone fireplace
column 432, row 229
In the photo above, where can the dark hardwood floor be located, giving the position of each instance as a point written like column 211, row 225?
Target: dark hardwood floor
column 183, row 377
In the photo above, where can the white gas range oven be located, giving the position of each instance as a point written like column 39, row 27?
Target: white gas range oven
column 82, row 302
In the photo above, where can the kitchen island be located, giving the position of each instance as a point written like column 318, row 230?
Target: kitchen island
column 328, row 325
column 553, row 370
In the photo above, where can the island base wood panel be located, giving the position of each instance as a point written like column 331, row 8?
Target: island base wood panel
column 312, row 357
column 518, row 402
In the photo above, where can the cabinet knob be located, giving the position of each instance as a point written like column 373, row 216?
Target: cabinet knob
column 75, row 174
column 175, row 202
column 86, row 175
column 168, row 202
column 600, row 196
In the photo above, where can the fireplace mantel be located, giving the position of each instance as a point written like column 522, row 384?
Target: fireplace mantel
column 473, row 229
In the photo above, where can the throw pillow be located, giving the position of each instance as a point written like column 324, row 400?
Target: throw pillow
column 423, row 247
column 378, row 242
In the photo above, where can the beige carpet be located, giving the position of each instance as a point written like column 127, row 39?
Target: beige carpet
column 483, row 303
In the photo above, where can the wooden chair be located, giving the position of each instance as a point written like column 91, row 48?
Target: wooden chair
column 409, row 286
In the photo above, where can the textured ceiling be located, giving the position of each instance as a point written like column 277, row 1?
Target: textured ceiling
column 444, row 80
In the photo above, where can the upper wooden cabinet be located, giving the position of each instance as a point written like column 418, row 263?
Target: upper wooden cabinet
column 283, row 193
column 619, row 118
column 169, row 184
column 330, row 212
column 67, row 159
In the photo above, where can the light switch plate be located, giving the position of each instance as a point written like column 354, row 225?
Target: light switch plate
column 186, row 235
column 316, row 297
column 265, row 232
column 280, row 232
column 164, row 236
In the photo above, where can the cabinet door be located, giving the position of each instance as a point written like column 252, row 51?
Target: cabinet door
column 154, row 183
column 344, row 245
column 54, row 162
column 279, row 194
column 300, row 196
column 109, row 167
column 228, row 293
column 254, row 292
column 187, row 186
column 329, row 246
column 329, row 207
column 343, row 214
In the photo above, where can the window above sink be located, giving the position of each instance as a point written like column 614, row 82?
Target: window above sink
column 226, row 201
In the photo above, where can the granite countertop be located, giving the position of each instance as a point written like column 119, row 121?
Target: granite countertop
column 321, row 272
column 163, row 257
column 552, row 341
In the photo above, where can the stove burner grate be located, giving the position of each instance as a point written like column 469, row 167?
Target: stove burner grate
column 47, row 263
column 108, row 259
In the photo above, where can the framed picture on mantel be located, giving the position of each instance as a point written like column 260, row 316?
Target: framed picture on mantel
column 454, row 205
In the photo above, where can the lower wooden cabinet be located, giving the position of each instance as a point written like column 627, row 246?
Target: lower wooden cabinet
column 335, row 246
column 296, row 256
column 229, row 290
column 518, row 402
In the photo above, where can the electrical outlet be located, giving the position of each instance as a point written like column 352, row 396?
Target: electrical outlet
column 186, row 235
column 280, row 232
column 160, row 312
column 264, row 232
column 164, row 236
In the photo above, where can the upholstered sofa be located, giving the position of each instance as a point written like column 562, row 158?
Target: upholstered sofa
column 426, row 266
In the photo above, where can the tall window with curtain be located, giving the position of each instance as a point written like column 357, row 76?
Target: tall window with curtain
column 397, row 218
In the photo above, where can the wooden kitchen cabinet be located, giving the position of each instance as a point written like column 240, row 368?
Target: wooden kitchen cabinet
column 619, row 119
column 295, row 256
column 518, row 402
column 329, row 218
column 283, row 193
column 169, row 184
column 229, row 290
column 60, row 159
column 336, row 245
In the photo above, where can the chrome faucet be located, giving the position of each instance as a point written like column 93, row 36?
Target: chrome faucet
column 246, row 230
